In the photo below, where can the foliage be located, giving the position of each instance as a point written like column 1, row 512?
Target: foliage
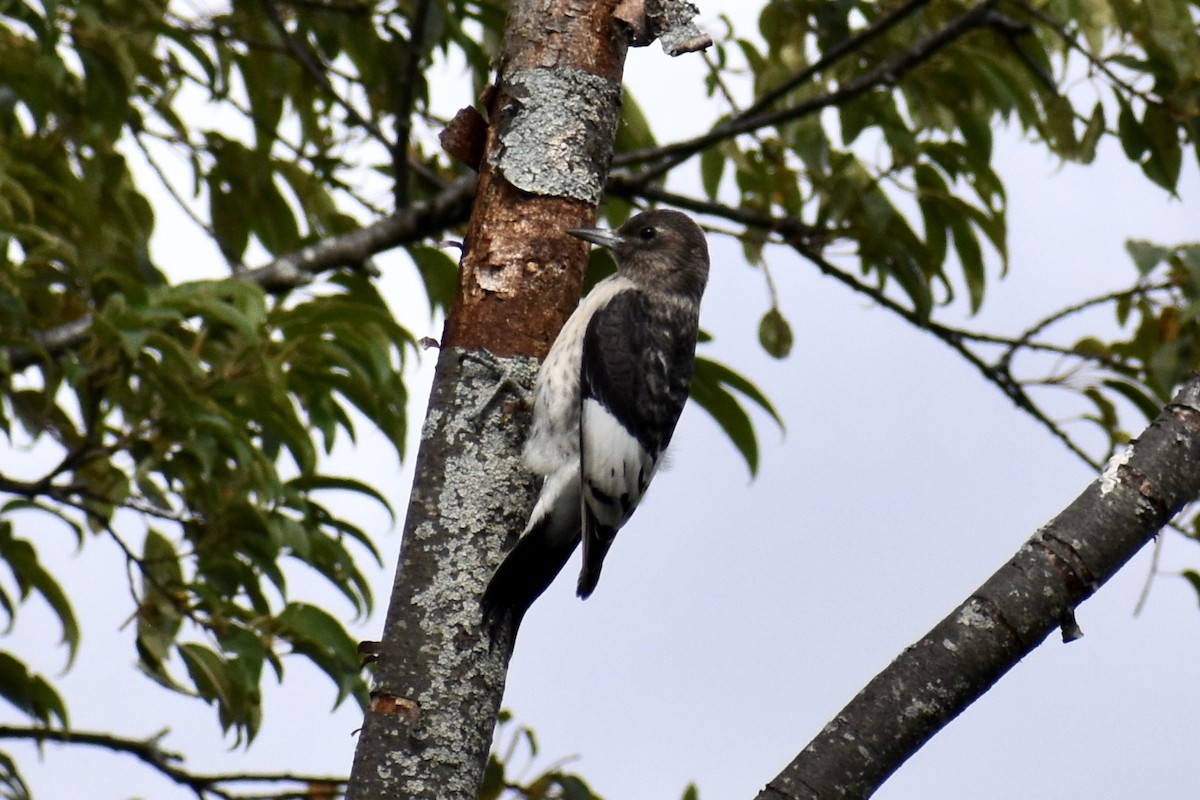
column 188, row 419
column 868, row 142
column 190, row 422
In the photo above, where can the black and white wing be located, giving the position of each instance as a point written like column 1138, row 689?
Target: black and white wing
column 637, row 366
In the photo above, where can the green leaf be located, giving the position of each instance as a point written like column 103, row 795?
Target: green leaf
column 712, row 167
column 238, row 705
column 494, row 782
column 1145, row 403
column 31, row 576
column 159, row 616
column 12, row 785
column 439, row 272
column 1091, row 135
column 1146, row 255
column 316, row 635
column 29, row 692
column 574, row 788
column 970, row 257
column 1133, row 138
column 207, row 671
column 328, row 482
column 711, row 386
column 1193, row 578
column 775, row 334
column 1166, row 155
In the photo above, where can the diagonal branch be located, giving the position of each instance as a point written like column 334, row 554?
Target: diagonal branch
column 800, row 237
column 836, row 54
column 150, row 753
column 419, row 221
column 405, row 97
column 312, row 65
column 889, row 73
column 1036, row 591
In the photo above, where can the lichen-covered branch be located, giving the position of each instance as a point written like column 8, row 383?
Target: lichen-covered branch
column 436, row 683
column 1037, row 591
column 438, row 680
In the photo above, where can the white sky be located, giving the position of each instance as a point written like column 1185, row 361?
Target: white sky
column 736, row 617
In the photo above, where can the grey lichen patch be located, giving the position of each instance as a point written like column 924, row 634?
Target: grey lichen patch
column 673, row 23
column 556, row 132
column 473, row 443
column 970, row 616
column 1110, row 478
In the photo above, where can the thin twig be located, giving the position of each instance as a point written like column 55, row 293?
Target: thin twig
column 164, row 762
column 157, row 169
column 405, row 98
column 1073, row 43
column 800, row 237
column 887, row 74
column 835, row 54
column 1026, row 336
column 312, row 65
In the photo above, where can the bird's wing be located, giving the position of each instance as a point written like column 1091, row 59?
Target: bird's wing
column 636, row 368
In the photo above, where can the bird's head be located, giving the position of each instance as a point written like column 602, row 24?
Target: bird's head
column 658, row 250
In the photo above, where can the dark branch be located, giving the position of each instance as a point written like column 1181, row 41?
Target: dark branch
column 801, row 238
column 418, row 221
column 887, row 74
column 836, row 54
column 405, row 97
column 149, row 752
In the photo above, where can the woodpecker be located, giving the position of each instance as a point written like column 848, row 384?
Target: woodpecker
column 605, row 404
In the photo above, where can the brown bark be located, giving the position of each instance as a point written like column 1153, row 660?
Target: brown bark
column 521, row 271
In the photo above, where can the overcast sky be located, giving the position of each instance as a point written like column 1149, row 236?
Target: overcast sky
column 735, row 617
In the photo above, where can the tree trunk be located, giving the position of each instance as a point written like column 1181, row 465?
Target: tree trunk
column 552, row 122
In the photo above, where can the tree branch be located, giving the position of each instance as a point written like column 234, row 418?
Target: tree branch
column 836, row 54
column 404, row 103
column 887, row 74
column 149, row 752
column 310, row 63
column 801, row 238
column 419, row 221
column 1062, row 565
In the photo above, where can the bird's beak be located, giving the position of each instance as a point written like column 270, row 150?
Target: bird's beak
column 600, row 236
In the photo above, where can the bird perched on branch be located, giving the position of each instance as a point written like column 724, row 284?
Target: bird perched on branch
column 606, row 402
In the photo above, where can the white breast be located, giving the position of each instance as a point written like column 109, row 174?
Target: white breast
column 554, row 436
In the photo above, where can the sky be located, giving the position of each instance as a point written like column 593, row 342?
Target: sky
column 737, row 616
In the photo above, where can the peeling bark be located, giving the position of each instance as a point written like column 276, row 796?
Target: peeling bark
column 1062, row 565
column 553, row 120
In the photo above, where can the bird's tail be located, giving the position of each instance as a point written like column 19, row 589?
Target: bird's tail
column 540, row 553
column 525, row 572
column 597, row 538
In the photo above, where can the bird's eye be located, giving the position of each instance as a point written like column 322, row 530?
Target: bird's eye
column 647, row 234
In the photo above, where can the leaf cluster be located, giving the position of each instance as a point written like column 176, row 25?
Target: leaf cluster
column 188, row 428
